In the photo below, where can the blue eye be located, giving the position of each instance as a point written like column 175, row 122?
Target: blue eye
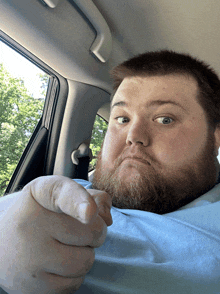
column 122, row 120
column 164, row 120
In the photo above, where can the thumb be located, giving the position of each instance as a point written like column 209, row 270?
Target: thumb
column 63, row 195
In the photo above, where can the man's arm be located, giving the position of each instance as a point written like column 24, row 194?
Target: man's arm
column 48, row 235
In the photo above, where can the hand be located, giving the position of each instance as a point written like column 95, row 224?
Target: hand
column 48, row 236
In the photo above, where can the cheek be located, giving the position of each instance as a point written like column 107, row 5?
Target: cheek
column 112, row 147
column 106, row 149
column 180, row 148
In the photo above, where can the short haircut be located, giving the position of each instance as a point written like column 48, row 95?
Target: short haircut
column 165, row 62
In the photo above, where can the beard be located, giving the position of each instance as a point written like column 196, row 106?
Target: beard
column 155, row 188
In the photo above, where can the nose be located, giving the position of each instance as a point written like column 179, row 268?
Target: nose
column 138, row 133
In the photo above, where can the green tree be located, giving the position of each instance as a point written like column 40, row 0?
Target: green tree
column 98, row 134
column 44, row 78
column 19, row 114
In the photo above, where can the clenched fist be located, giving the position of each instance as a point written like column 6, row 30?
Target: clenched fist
column 48, row 234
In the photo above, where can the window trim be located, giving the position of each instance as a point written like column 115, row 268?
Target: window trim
column 48, row 128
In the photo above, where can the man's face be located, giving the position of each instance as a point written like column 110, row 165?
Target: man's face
column 159, row 152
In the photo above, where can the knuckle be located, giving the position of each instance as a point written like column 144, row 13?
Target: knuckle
column 88, row 263
column 83, row 261
column 103, row 201
column 99, row 232
column 52, row 283
column 74, row 286
column 100, row 196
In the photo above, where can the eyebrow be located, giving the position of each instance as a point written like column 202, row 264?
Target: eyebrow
column 120, row 103
column 151, row 103
column 163, row 102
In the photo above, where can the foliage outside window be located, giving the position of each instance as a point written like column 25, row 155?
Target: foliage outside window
column 20, row 112
column 98, row 134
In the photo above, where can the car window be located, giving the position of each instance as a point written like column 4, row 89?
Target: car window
column 98, row 134
column 23, row 89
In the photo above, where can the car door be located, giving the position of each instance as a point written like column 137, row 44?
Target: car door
column 38, row 157
column 70, row 106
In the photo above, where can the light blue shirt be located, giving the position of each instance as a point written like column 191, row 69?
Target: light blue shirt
column 147, row 253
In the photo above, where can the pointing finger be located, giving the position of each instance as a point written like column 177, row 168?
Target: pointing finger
column 104, row 203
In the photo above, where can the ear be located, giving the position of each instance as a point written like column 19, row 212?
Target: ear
column 217, row 138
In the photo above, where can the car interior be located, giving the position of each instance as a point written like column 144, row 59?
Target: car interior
column 77, row 43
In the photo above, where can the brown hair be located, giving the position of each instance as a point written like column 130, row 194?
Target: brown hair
column 168, row 62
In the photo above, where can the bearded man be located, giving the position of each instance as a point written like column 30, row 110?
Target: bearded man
column 159, row 165
column 160, row 148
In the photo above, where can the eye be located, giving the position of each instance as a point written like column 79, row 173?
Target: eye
column 122, row 120
column 165, row 120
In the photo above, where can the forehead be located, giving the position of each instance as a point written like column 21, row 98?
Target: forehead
column 178, row 88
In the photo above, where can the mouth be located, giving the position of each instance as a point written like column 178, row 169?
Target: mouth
column 137, row 159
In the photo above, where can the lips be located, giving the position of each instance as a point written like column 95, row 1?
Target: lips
column 137, row 158
column 135, row 154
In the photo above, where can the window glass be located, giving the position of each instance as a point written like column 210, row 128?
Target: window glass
column 23, row 89
column 98, row 134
